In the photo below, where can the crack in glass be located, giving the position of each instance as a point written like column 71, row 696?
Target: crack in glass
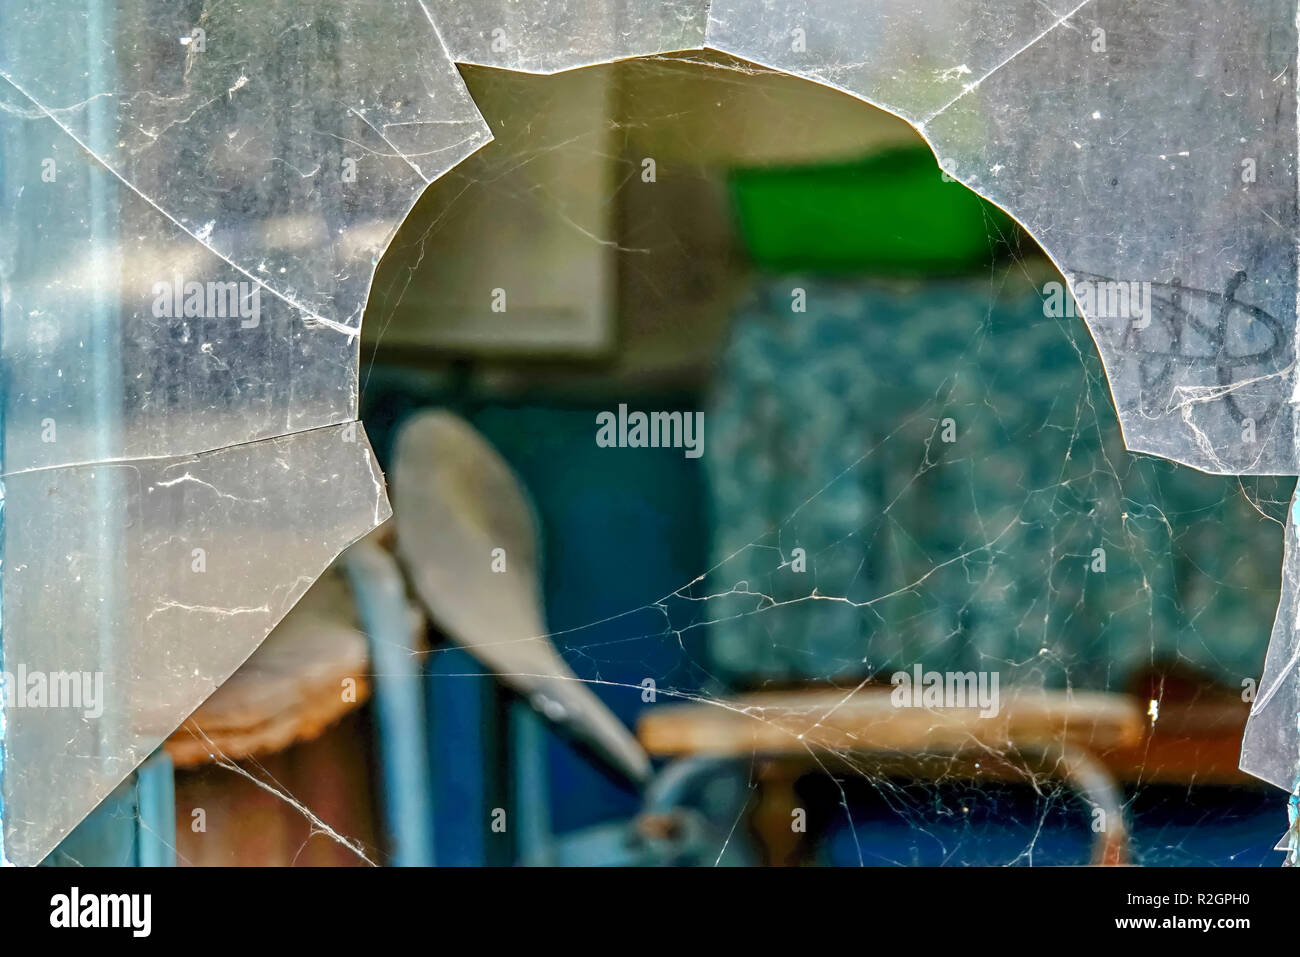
column 192, row 215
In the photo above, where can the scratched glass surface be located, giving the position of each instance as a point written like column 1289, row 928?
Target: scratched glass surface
column 263, row 155
column 194, row 201
column 563, row 34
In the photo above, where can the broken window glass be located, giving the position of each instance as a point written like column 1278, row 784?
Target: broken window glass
column 195, row 201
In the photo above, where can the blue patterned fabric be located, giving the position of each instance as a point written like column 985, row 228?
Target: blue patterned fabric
column 827, row 433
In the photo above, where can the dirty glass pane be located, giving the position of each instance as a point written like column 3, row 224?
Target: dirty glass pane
column 543, row 37
column 192, row 220
column 156, row 580
column 193, row 202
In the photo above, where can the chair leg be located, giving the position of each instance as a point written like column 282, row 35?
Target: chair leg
column 380, row 595
column 155, row 787
column 135, row 826
column 1094, row 783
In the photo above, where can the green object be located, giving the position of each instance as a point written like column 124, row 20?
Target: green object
column 893, row 213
